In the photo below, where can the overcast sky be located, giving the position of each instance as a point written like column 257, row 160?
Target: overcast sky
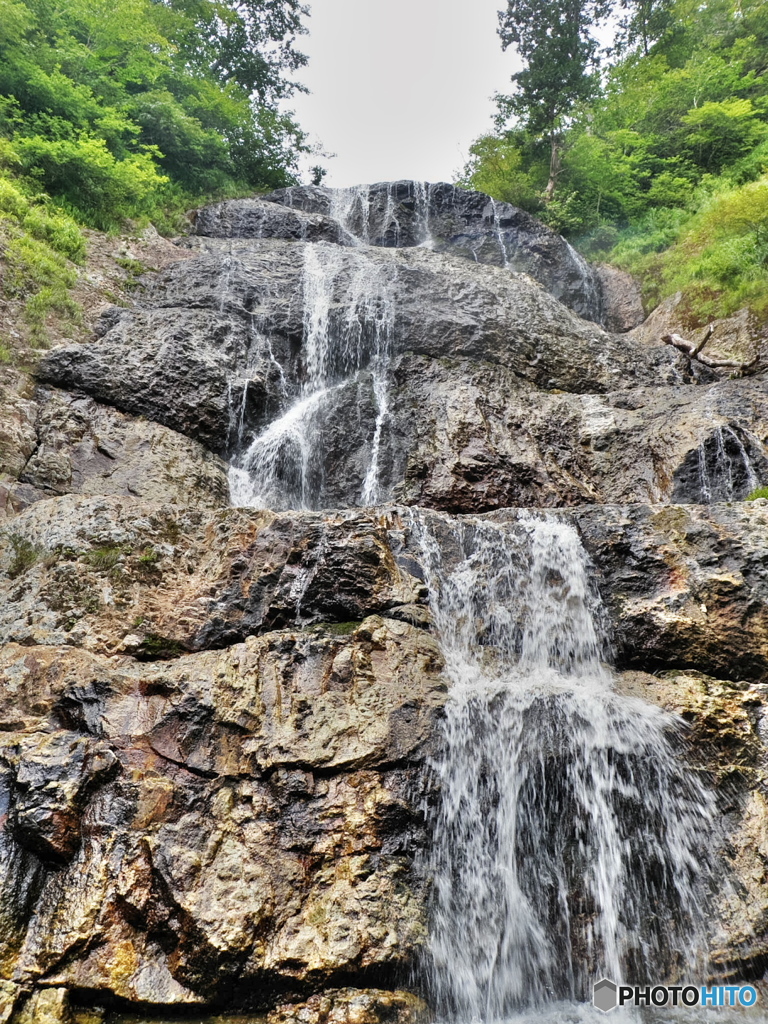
column 400, row 88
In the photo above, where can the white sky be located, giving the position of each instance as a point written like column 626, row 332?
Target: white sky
column 400, row 88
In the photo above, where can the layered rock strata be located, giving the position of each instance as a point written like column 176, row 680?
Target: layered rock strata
column 245, row 818
column 216, row 723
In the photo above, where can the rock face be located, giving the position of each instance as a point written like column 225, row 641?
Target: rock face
column 682, row 585
column 466, row 224
column 225, row 331
column 254, row 218
column 477, row 389
column 242, row 820
column 218, row 725
column 177, row 826
column 63, row 443
column 622, row 301
column 469, row 437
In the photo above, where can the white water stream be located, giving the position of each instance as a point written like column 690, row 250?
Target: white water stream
column 570, row 841
column 726, row 472
column 348, row 322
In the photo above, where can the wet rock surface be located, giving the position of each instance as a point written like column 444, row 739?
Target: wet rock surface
column 467, row 224
column 469, row 438
column 682, row 586
column 725, row 740
column 241, row 815
column 216, row 723
column 234, row 317
column 495, row 394
column 242, row 822
column 255, row 218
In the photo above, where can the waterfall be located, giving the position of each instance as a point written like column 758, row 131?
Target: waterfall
column 369, row 214
column 725, row 470
column 570, row 841
column 351, row 208
column 348, row 323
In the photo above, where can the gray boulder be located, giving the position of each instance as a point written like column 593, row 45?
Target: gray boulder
column 254, row 218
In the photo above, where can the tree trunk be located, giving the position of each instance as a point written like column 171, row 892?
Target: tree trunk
column 554, row 169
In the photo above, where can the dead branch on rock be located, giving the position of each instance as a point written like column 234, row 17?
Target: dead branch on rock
column 694, row 351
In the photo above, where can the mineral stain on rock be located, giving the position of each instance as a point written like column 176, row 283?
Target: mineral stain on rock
column 219, row 725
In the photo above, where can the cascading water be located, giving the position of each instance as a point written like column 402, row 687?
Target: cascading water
column 348, row 322
column 725, row 468
column 570, row 842
column 373, row 218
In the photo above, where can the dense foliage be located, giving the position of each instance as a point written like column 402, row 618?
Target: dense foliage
column 663, row 169
column 115, row 107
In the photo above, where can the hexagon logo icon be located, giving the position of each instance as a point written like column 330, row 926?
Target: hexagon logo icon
column 604, row 995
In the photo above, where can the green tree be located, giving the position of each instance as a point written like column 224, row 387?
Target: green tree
column 644, row 22
column 116, row 107
column 559, row 56
column 497, row 166
column 251, row 43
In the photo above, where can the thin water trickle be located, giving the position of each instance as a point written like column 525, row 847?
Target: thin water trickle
column 570, row 842
column 725, row 469
column 499, row 236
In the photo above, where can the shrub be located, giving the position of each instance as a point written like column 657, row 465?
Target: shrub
column 85, row 175
column 24, row 554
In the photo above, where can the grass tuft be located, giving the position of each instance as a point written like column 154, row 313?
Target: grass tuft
column 24, row 554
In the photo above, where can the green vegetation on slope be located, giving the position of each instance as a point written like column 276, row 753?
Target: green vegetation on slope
column 115, row 109
column 663, row 170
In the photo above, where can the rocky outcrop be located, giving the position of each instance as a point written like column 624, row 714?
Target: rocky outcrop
column 18, row 437
column 215, row 727
column 683, row 586
column 622, row 299
column 231, row 319
column 62, row 443
column 739, row 339
column 495, row 394
column 114, row 575
column 254, row 218
column 243, row 815
column 354, row 1006
column 467, row 437
column 467, row 224
column 86, row 448
column 680, row 586
column 726, row 724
